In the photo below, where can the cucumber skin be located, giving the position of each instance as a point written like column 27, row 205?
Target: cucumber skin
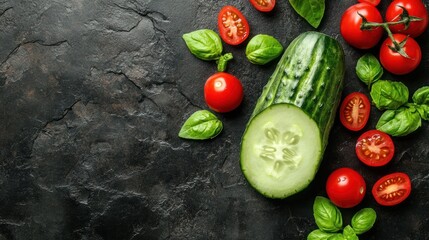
column 309, row 75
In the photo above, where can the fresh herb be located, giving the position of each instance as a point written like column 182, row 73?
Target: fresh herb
column 389, row 95
column 369, row 69
column 329, row 220
column 421, row 95
column 423, row 110
column 311, row 10
column 399, row 122
column 327, row 216
column 201, row 125
column 262, row 49
column 363, row 220
column 206, row 44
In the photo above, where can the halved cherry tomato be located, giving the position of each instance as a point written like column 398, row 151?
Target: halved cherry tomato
column 263, row 5
column 233, row 26
column 396, row 63
column 375, row 148
column 223, row 92
column 345, row 187
column 415, row 8
column 392, row 189
column 372, row 2
column 354, row 111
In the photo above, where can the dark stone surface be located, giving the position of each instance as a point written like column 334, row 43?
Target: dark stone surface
column 93, row 94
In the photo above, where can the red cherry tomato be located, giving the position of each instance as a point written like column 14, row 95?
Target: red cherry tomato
column 372, row 2
column 394, row 62
column 354, row 111
column 392, row 189
column 223, row 92
column 233, row 26
column 415, row 8
column 345, row 187
column 375, row 148
column 263, row 5
column 350, row 26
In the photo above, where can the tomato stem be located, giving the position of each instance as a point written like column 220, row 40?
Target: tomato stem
column 222, row 61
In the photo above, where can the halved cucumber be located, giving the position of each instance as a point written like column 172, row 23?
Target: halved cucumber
column 281, row 150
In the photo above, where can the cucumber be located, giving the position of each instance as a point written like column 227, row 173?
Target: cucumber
column 287, row 134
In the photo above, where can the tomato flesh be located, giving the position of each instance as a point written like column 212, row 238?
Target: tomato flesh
column 263, row 5
column 223, row 92
column 396, row 63
column 233, row 26
column 354, row 111
column 345, row 187
column 392, row 189
column 372, row 2
column 415, row 8
column 350, row 26
column 375, row 148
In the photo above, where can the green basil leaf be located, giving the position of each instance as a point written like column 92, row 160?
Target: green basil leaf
column 311, row 10
column 349, row 233
column 205, row 44
column 337, row 236
column 369, row 69
column 400, row 122
column 319, row 235
column 327, row 216
column 423, row 110
column 201, row 125
column 421, row 96
column 363, row 220
column 262, row 49
column 388, row 94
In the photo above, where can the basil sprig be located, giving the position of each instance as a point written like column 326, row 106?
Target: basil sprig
column 329, row 220
column 401, row 117
column 311, row 10
column 262, row 49
column 201, row 125
column 206, row 44
column 369, row 69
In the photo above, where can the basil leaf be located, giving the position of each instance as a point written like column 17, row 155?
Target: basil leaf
column 319, row 235
column 349, row 233
column 363, row 220
column 262, row 49
column 421, row 96
column 311, row 10
column 337, row 236
column 205, row 44
column 400, row 122
column 388, row 94
column 423, row 110
column 327, row 216
column 369, row 69
column 201, row 125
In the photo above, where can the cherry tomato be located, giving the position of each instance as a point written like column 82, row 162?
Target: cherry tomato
column 345, row 187
column 263, row 5
column 394, row 62
column 392, row 189
column 350, row 26
column 233, row 26
column 223, row 92
column 415, row 8
column 375, row 148
column 372, row 2
column 354, row 111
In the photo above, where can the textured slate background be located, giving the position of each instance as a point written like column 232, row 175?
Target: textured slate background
column 93, row 94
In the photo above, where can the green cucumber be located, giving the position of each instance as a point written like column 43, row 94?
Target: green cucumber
column 287, row 134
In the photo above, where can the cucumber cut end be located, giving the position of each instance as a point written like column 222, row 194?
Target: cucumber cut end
column 281, row 151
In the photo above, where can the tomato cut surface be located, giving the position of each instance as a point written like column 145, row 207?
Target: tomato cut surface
column 354, row 111
column 233, row 26
column 263, row 5
column 392, row 189
column 375, row 148
column 345, row 187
